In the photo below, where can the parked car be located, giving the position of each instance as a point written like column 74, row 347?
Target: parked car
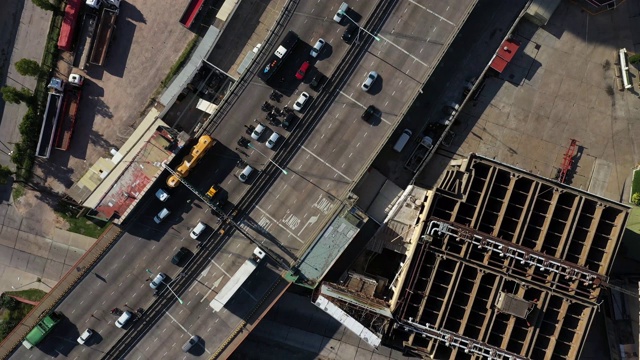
column 317, row 81
column 161, row 215
column 340, row 13
column 157, row 281
column 197, row 230
column 371, row 78
column 302, row 99
column 162, row 195
column 317, row 48
column 273, row 140
column 257, row 132
column 245, row 174
column 350, row 33
column 179, row 256
column 303, row 70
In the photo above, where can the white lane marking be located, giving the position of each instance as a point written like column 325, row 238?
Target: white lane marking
column 215, row 285
column 362, row 106
column 203, row 273
column 176, row 321
column 324, row 162
column 431, row 12
column 280, row 225
column 403, row 50
column 214, row 263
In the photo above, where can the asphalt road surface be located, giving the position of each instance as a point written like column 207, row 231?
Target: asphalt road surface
column 331, row 148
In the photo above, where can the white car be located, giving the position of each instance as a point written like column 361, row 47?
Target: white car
column 366, row 85
column 122, row 320
column 244, row 175
column 257, row 132
column 85, row 336
column 340, row 13
column 273, row 140
column 317, row 48
column 302, row 99
column 158, row 280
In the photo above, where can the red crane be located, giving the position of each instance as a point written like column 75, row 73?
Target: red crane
column 567, row 161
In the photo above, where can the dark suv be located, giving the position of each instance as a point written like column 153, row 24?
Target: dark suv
column 350, row 33
column 179, row 256
column 369, row 114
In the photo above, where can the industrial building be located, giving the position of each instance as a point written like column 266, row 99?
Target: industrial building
column 494, row 261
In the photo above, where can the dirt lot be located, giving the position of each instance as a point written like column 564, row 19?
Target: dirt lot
column 147, row 41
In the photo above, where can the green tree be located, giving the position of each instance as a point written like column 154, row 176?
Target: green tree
column 11, row 95
column 15, row 96
column 635, row 198
column 634, row 59
column 28, row 67
column 5, row 174
column 44, row 4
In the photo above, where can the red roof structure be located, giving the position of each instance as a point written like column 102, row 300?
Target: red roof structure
column 71, row 12
column 505, row 54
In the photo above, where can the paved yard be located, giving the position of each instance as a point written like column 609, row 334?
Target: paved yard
column 147, row 41
column 559, row 87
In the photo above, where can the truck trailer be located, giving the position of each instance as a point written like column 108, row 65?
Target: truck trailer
column 42, row 329
column 67, row 122
column 103, row 37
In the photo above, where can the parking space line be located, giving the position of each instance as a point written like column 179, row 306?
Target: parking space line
column 324, row 162
column 362, row 106
column 434, row 14
column 278, row 223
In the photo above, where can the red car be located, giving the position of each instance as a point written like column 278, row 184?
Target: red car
column 302, row 70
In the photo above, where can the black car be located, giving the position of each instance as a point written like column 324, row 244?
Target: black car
column 318, row 81
column 179, row 256
column 289, row 121
column 369, row 114
column 350, row 33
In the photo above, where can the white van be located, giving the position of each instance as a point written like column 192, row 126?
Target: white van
column 122, row 320
column 402, row 141
column 198, row 230
column 161, row 215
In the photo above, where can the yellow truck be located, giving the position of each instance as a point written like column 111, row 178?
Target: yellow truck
column 190, row 161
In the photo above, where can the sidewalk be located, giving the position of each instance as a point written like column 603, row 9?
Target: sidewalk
column 28, row 42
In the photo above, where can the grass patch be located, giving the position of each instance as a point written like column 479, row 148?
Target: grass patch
column 635, row 184
column 18, row 191
column 14, row 311
column 83, row 225
column 180, row 62
column 29, row 294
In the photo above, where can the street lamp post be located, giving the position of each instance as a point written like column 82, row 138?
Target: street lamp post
column 169, row 287
column 344, row 13
column 281, row 169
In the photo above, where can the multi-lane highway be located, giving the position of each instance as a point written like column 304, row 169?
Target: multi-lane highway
column 324, row 157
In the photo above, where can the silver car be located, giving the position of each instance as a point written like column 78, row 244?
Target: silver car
column 317, row 48
column 273, row 140
column 158, row 280
column 371, row 78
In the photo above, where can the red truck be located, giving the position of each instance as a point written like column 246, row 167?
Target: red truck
column 72, row 94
